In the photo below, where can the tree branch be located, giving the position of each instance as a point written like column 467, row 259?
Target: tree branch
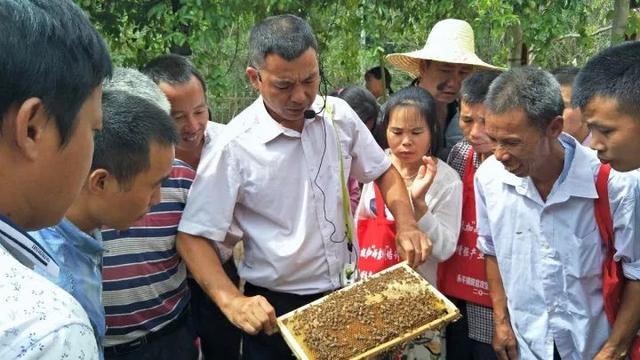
column 574, row 35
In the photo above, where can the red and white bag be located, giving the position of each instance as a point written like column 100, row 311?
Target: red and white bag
column 376, row 240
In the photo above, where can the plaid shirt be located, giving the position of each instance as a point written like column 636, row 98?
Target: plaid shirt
column 479, row 318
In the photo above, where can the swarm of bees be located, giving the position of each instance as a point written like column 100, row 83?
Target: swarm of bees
column 366, row 315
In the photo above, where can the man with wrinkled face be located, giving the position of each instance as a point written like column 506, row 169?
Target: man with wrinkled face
column 535, row 202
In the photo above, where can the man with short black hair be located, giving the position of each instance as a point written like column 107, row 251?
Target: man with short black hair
column 186, row 90
column 535, row 201
column 373, row 82
column 471, row 336
column 607, row 91
column 277, row 173
column 133, row 155
column 571, row 116
column 51, row 71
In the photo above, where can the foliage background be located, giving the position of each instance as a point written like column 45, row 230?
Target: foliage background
column 353, row 35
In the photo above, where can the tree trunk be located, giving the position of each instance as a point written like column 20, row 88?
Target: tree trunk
column 383, row 78
column 620, row 18
column 515, row 54
column 363, row 38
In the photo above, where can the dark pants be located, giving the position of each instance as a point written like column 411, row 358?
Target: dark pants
column 176, row 344
column 265, row 347
column 219, row 338
column 459, row 345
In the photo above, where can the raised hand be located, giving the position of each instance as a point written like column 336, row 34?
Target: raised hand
column 424, row 178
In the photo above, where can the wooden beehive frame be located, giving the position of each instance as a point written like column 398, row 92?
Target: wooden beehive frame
column 452, row 314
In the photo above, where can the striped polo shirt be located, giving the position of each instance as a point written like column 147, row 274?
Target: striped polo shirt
column 144, row 279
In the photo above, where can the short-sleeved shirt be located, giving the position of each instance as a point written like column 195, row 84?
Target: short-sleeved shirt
column 211, row 135
column 282, row 189
column 144, row 279
column 550, row 252
column 79, row 256
column 38, row 320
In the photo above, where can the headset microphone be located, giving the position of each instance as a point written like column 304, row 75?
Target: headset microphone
column 309, row 114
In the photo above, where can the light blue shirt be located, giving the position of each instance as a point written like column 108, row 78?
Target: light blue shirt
column 79, row 256
column 550, row 253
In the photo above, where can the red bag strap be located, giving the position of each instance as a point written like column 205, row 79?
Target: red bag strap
column 469, row 170
column 603, row 211
column 380, row 208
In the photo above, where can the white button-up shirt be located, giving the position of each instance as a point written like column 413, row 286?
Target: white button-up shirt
column 282, row 189
column 550, row 253
column 211, row 132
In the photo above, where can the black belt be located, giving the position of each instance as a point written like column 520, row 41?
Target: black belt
column 137, row 343
column 249, row 287
column 281, row 302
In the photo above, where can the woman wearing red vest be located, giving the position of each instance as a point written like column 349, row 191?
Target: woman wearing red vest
column 462, row 277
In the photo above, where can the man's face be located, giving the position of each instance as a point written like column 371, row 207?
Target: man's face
column 572, row 116
column 64, row 170
column 374, row 86
column 615, row 135
column 121, row 207
column 443, row 80
column 190, row 112
column 472, row 124
column 520, row 146
column 288, row 88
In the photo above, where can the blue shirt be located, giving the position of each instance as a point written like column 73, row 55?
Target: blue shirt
column 550, row 252
column 79, row 256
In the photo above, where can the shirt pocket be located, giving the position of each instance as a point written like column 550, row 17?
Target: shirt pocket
column 334, row 168
column 586, row 255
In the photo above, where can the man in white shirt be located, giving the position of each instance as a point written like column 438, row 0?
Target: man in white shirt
column 51, row 72
column 275, row 174
column 607, row 91
column 536, row 226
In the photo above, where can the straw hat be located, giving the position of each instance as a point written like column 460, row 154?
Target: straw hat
column 450, row 40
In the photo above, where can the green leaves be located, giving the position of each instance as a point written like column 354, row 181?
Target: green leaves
column 353, row 35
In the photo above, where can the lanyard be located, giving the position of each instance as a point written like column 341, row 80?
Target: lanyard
column 346, row 205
